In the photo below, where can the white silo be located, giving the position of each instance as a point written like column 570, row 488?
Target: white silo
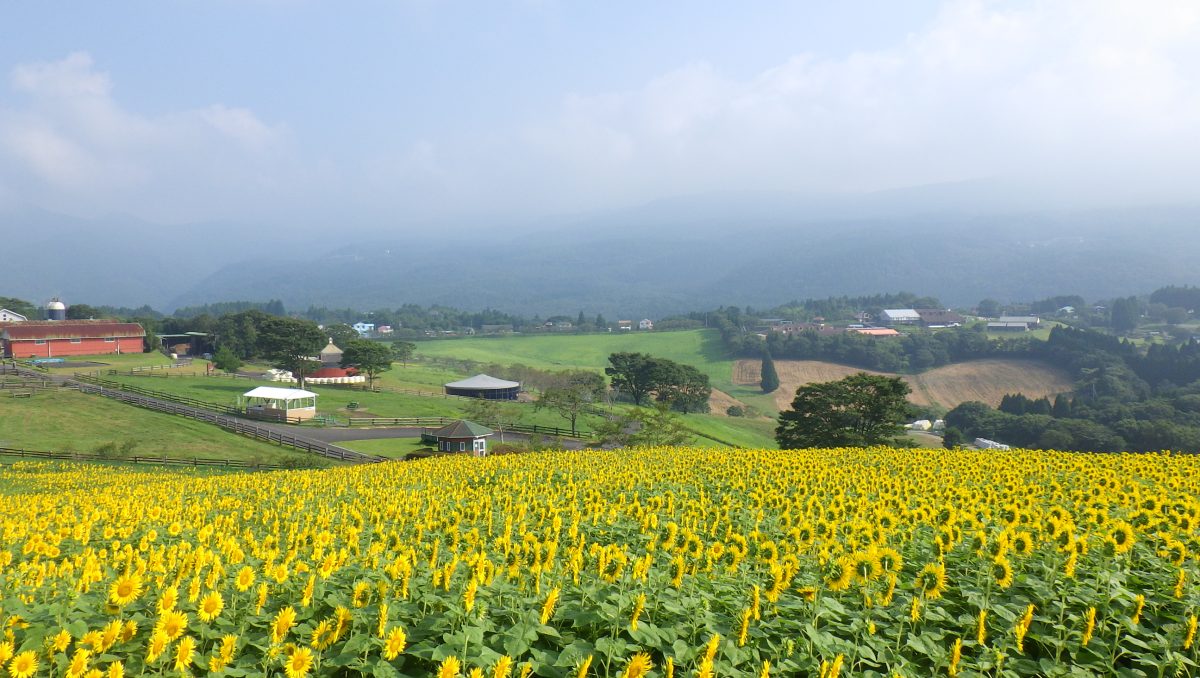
column 56, row 310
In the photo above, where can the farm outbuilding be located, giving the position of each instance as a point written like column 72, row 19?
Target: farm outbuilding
column 483, row 386
column 899, row 316
column 58, row 339
column 7, row 316
column 461, row 436
column 272, row 402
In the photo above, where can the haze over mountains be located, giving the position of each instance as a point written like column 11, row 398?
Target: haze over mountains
column 955, row 242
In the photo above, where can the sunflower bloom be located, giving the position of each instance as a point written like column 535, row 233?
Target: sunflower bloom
column 185, row 653
column 79, row 663
column 157, row 645
column 1191, row 633
column 586, row 664
column 299, row 664
column 172, row 624
column 638, row 605
column 23, row 665
column 955, row 657
column 210, row 606
column 639, row 665
column 450, row 668
column 125, row 590
column 284, row 620
column 1089, row 626
column 503, row 667
column 394, row 644
column 548, row 606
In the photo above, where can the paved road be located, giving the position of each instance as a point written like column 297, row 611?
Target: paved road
column 336, row 435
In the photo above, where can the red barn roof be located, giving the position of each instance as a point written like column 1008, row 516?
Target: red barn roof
column 333, row 372
column 71, row 329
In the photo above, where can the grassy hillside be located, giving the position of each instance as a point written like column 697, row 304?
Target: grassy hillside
column 65, row 420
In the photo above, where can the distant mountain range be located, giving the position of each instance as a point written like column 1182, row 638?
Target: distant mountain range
column 662, row 258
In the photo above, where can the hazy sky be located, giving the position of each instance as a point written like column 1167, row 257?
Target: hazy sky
column 387, row 112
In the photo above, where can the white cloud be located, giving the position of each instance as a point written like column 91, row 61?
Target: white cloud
column 69, row 144
column 1088, row 95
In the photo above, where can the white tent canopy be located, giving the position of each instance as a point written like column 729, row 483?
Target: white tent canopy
column 276, row 393
column 275, row 401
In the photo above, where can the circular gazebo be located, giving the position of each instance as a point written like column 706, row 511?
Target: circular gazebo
column 483, row 386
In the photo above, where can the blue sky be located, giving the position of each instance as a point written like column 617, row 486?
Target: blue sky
column 388, row 112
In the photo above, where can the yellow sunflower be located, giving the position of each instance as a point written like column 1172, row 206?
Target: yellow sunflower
column 931, row 581
column 125, row 590
column 299, row 664
column 23, row 665
column 210, row 606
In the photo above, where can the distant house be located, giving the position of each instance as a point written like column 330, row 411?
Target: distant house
column 1030, row 321
column 996, row 326
column 645, row 324
column 624, row 324
column 56, row 339
column 184, row 344
column 800, row 328
column 7, row 316
column 1066, row 310
column 384, row 329
column 875, row 331
column 985, row 444
column 363, row 329
column 496, row 329
column 899, row 316
column 937, row 317
column 331, row 355
column 460, row 436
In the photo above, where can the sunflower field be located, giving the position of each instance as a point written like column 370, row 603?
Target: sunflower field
column 652, row 562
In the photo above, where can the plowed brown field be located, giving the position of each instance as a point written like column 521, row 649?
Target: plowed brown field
column 984, row 380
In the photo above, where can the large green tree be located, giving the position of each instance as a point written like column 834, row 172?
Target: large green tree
column 403, row 351
column 369, row 357
column 632, row 373
column 858, row 411
column 21, row 306
column 571, row 394
column 1125, row 315
column 291, row 344
column 639, row 375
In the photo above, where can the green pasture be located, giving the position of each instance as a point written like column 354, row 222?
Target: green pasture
column 68, row 421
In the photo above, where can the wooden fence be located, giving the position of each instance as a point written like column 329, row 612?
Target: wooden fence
column 142, row 459
column 414, row 422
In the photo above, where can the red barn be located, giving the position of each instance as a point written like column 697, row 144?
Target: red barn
column 57, row 339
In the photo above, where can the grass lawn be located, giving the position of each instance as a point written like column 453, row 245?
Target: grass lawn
column 65, row 420
column 392, row 448
column 334, row 401
column 124, row 361
column 699, row 348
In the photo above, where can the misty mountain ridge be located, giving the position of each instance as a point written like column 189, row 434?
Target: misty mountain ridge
column 665, row 257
